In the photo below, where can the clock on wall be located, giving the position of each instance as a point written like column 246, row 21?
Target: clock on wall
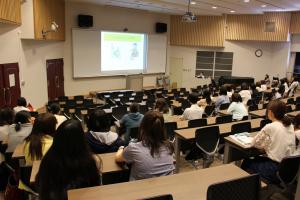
column 258, row 53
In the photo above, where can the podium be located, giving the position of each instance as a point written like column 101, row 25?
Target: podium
column 134, row 82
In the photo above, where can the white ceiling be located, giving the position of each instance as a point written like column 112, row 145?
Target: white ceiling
column 203, row 7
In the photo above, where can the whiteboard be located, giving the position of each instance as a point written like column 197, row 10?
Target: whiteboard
column 86, row 45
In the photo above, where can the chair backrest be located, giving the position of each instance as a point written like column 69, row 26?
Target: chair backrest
column 170, row 128
column 290, row 101
column 209, row 110
column 185, row 104
column 197, row 123
column 138, row 99
column 224, row 106
column 177, row 110
column 250, row 102
column 252, row 108
column 241, row 127
column 245, row 118
column 134, row 133
column 264, row 122
column 161, row 197
column 144, row 109
column 79, row 98
column 224, row 119
column 297, row 106
column 298, row 99
column 288, row 169
column 63, row 98
column 88, row 103
column 246, row 188
column 119, row 112
column 289, row 108
column 207, row 139
column 71, row 104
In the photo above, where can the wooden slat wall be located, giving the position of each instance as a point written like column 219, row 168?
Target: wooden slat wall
column 10, row 11
column 295, row 22
column 251, row 27
column 208, row 31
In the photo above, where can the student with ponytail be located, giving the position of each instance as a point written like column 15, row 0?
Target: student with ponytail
column 277, row 139
column 152, row 155
column 19, row 130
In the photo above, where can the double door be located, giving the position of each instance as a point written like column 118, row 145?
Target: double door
column 55, row 78
column 10, row 89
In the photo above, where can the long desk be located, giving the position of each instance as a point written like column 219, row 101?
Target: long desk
column 184, row 123
column 185, row 186
column 109, row 165
column 258, row 113
column 293, row 114
column 188, row 134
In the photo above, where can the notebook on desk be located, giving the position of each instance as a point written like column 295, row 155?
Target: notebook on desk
column 244, row 138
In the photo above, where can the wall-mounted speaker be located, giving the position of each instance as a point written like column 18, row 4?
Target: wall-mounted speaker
column 161, row 27
column 85, row 21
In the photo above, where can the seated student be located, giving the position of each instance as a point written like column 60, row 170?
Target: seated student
column 195, row 111
column 19, row 130
column 152, row 155
column 245, row 93
column 6, row 119
column 254, row 92
column 297, row 127
column 162, row 107
column 284, row 82
column 276, row 139
column 131, row 120
column 40, row 139
column 230, row 91
column 21, row 105
column 237, row 109
column 263, row 85
column 293, row 87
column 206, row 101
column 267, row 80
column 279, row 93
column 69, row 164
column 223, row 98
column 55, row 110
column 99, row 136
column 258, row 86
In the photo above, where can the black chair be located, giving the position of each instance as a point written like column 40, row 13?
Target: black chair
column 207, row 140
column 245, row 118
column 297, row 100
column 197, row 123
column 79, row 98
column 70, row 104
column 138, row 99
column 265, row 105
column 161, row 197
column 224, row 119
column 62, row 98
column 134, row 133
column 224, row 106
column 87, row 103
column 264, row 122
column 252, row 108
column 250, row 102
column 241, row 127
column 246, row 188
column 209, row 110
column 177, row 110
column 143, row 109
column 297, row 108
column 290, row 101
column 185, row 104
column 170, row 128
column 119, row 112
column 289, row 108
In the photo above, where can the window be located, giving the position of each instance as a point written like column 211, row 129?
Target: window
column 214, row 64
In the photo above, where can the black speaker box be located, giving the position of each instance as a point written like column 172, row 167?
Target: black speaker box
column 161, row 27
column 85, row 21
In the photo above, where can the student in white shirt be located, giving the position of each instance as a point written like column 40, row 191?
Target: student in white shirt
column 277, row 139
column 237, row 109
column 21, row 105
column 293, row 87
column 245, row 93
column 55, row 110
column 195, row 111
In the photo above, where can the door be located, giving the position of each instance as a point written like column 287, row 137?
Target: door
column 11, row 84
column 176, row 65
column 55, row 78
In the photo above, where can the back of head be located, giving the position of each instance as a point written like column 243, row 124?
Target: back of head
column 68, row 164
column 244, row 86
column 134, row 108
column 152, row 132
column 278, row 108
column 22, row 117
column 253, row 86
column 161, row 105
column 223, row 91
column 22, row 102
column 258, row 84
column 193, row 98
column 229, row 88
column 206, row 95
column 236, row 97
column 54, row 108
column 6, row 116
column 99, row 121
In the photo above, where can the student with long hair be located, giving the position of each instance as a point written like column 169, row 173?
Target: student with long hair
column 19, row 130
column 162, row 107
column 69, row 164
column 237, row 109
column 277, row 139
column 152, row 155
column 40, row 139
column 99, row 137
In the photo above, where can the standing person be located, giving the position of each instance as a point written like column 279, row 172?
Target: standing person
column 223, row 98
column 99, row 137
column 55, row 110
column 18, row 131
column 195, row 111
column 162, row 107
column 21, row 105
column 237, row 109
column 131, row 120
column 245, row 93
column 69, row 164
column 277, row 139
column 152, row 155
column 40, row 139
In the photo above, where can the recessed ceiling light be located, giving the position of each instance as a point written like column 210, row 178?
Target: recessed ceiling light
column 246, row 1
column 214, row 7
column 232, row 11
column 264, row 5
column 193, row 2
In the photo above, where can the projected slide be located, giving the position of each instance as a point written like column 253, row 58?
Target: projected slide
column 122, row 51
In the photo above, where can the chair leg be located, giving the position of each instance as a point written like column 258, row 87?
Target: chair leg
column 207, row 161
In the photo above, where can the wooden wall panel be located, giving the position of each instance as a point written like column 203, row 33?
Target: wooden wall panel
column 295, row 22
column 208, row 31
column 10, row 11
column 252, row 27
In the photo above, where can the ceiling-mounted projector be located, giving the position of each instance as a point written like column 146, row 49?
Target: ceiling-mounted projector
column 189, row 17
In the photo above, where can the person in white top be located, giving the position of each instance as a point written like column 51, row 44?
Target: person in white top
column 293, row 87
column 245, row 93
column 237, row 109
column 195, row 111
column 21, row 105
column 6, row 119
column 277, row 139
column 55, row 110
